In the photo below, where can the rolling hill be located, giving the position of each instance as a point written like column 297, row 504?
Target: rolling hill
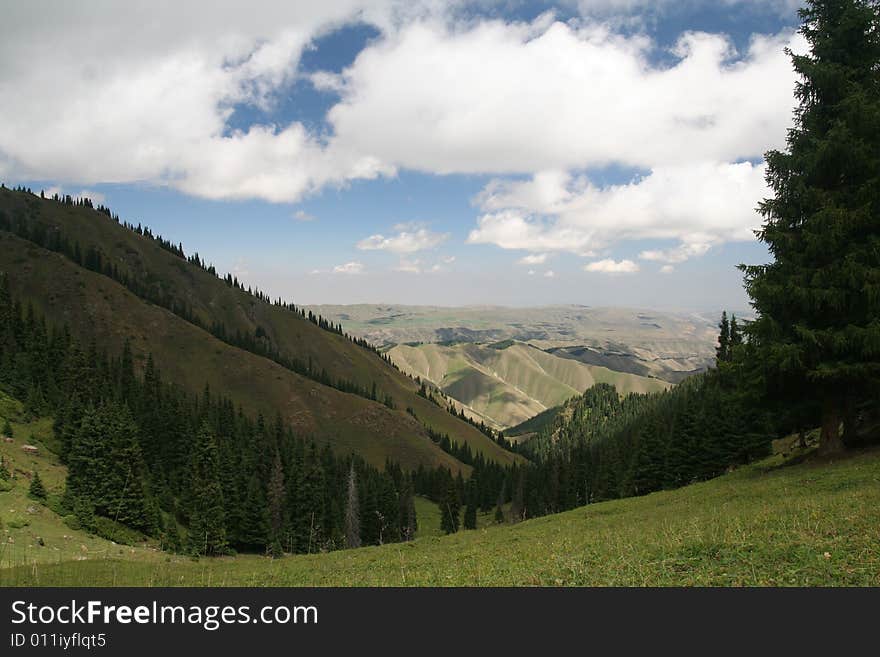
column 99, row 307
column 507, row 383
column 503, row 366
column 665, row 345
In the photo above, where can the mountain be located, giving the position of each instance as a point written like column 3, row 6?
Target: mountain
column 502, row 366
column 666, row 345
column 505, row 384
column 109, row 283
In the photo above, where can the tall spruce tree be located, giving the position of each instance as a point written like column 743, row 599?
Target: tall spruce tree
column 817, row 332
column 408, row 521
column 470, row 513
column 722, row 351
column 275, row 495
column 126, row 497
column 37, row 491
column 352, row 512
column 450, row 509
column 207, row 529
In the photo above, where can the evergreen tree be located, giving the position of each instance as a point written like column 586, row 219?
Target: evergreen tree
column 722, row 351
column 36, row 490
column 4, row 470
column 126, row 495
column 275, row 496
column 84, row 512
column 450, row 509
column 254, row 527
column 517, row 504
column 84, row 467
column 352, row 512
column 499, row 512
column 817, row 332
column 736, row 337
column 408, row 520
column 470, row 514
column 207, row 522
column 171, row 540
column 7, row 429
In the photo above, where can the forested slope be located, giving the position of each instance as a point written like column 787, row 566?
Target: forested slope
column 149, row 276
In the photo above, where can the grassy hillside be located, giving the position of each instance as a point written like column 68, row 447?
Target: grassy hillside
column 97, row 306
column 767, row 524
column 508, row 383
column 31, row 531
column 533, row 425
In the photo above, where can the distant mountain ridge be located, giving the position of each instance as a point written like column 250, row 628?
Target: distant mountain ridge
column 662, row 344
column 637, row 350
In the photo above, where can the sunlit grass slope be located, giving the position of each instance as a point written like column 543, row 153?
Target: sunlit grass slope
column 815, row 523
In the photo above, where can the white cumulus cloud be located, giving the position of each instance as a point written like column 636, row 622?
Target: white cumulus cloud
column 539, row 104
column 678, row 254
column 609, row 266
column 143, row 92
column 409, row 239
column 349, row 268
column 699, row 205
column 493, row 96
column 533, row 259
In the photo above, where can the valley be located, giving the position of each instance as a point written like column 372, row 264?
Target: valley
column 505, row 365
column 507, row 383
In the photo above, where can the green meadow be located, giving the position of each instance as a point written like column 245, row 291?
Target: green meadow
column 790, row 520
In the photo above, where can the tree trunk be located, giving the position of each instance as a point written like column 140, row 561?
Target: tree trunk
column 829, row 439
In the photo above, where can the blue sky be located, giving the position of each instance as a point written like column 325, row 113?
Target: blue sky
column 600, row 153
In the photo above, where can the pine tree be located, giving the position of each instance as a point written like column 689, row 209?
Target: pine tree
column 817, row 333
column 499, row 512
column 84, row 469
column 736, row 337
column 275, row 495
column 470, row 514
column 352, row 512
column 408, row 521
column 722, row 351
column 171, row 540
column 4, row 470
column 450, row 509
column 254, row 528
column 36, row 490
column 517, row 504
column 126, row 495
column 207, row 522
column 7, row 429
